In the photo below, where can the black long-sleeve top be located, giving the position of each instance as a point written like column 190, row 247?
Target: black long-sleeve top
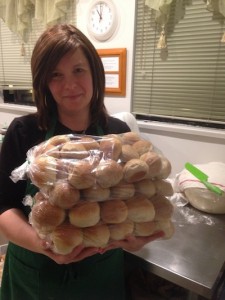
column 22, row 134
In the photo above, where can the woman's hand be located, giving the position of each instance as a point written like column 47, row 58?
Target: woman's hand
column 132, row 243
column 79, row 253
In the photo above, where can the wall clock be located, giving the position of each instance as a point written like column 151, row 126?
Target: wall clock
column 102, row 19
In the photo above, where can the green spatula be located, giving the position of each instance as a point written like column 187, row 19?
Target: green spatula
column 203, row 178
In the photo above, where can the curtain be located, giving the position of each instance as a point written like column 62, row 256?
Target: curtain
column 18, row 14
column 184, row 81
column 14, row 59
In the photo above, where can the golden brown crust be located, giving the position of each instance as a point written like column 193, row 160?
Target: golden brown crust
column 163, row 207
column 65, row 238
column 135, row 170
column 140, row 209
column 113, row 211
column 121, row 231
column 108, row 173
column 64, row 195
column 85, row 214
column 81, row 175
column 96, row 236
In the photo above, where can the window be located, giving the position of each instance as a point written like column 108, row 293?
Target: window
column 186, row 81
column 14, row 67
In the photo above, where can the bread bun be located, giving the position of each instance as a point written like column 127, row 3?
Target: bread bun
column 144, row 228
column 130, row 138
column 128, row 153
column 73, row 150
column 111, row 147
column 108, row 173
column 163, row 207
column 96, row 193
column 43, row 171
column 89, row 143
column 113, row 211
column 52, row 146
column 135, row 170
column 166, row 168
column 140, row 209
column 123, row 190
column 65, row 238
column 166, row 226
column 81, row 175
column 142, row 146
column 163, row 187
column 85, row 214
column 63, row 195
column 96, row 236
column 58, row 140
column 145, row 187
column 46, row 217
column 154, row 162
column 121, row 231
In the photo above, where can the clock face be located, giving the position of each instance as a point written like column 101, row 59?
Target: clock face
column 102, row 20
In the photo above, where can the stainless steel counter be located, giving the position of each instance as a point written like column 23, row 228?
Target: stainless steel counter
column 194, row 258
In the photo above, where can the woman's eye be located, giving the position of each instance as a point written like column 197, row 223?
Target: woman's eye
column 78, row 70
column 56, row 75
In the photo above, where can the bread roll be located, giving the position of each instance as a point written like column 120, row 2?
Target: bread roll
column 108, row 173
column 58, row 140
column 121, row 231
column 85, row 214
column 135, row 170
column 166, row 168
column 73, row 150
column 123, row 190
column 144, row 228
column 113, row 211
column 96, row 193
column 142, row 146
column 163, row 207
column 39, row 196
column 63, row 195
column 65, row 238
column 111, row 147
column 130, row 138
column 163, row 187
column 51, row 145
column 43, row 171
column 89, row 143
column 81, row 175
column 145, row 187
column 166, row 226
column 46, row 217
column 128, row 153
column 154, row 162
column 96, row 236
column 140, row 209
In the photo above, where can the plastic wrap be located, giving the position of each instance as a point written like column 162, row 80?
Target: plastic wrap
column 197, row 194
column 94, row 190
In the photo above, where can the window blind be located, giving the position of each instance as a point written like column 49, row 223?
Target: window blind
column 187, row 79
column 14, row 68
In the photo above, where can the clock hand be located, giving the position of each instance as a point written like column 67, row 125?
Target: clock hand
column 100, row 13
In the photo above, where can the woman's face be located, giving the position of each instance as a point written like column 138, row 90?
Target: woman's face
column 71, row 83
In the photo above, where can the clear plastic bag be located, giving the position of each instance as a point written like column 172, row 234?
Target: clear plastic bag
column 93, row 190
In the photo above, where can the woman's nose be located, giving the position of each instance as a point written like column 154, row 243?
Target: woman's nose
column 70, row 82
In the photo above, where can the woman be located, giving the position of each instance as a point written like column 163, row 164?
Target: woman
column 68, row 90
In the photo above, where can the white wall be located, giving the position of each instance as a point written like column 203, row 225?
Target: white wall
column 123, row 38
column 179, row 143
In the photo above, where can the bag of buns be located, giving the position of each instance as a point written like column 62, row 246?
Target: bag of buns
column 94, row 190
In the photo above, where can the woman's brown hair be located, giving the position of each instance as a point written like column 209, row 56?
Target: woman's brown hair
column 51, row 46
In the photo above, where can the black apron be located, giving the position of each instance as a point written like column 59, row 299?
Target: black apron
column 31, row 276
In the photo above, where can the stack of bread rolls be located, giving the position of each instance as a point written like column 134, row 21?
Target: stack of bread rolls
column 95, row 190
